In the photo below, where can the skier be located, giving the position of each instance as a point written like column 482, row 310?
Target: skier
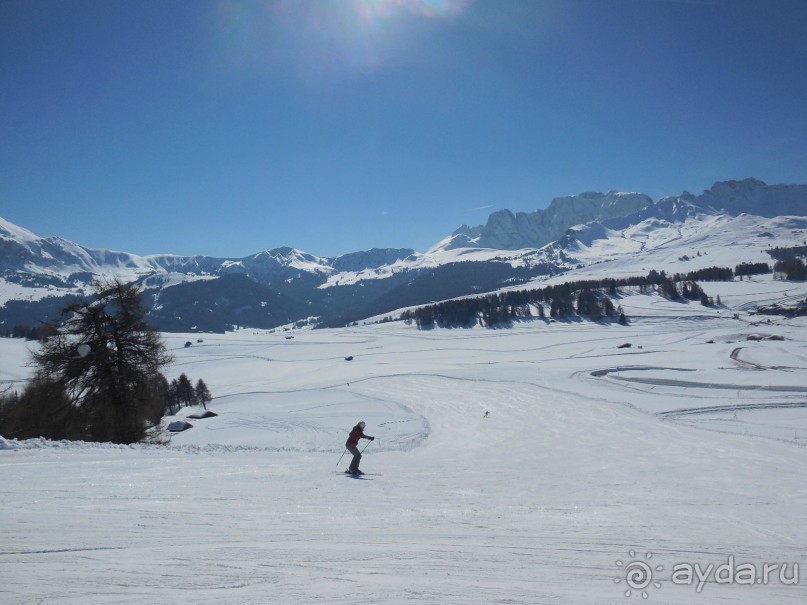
column 351, row 445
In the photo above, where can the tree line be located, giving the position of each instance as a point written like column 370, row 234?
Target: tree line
column 791, row 270
column 789, row 262
column 789, row 253
column 746, row 269
column 590, row 298
column 181, row 392
column 26, row 332
column 98, row 375
column 587, row 298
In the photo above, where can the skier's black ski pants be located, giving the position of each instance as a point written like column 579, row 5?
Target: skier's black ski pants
column 354, row 464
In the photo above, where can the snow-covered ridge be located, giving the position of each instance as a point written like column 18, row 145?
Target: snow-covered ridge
column 11, row 232
column 23, row 251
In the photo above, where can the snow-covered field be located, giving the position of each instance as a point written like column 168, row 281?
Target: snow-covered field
column 689, row 444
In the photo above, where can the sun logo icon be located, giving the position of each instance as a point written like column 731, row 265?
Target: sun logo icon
column 638, row 575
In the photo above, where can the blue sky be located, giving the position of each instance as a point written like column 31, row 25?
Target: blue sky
column 226, row 127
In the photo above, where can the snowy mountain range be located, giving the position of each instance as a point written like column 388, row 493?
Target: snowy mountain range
column 284, row 285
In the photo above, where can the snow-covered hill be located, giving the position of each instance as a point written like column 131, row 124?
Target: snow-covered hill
column 609, row 451
column 696, row 243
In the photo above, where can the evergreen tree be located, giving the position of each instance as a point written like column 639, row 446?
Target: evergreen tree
column 105, row 360
column 185, row 393
column 173, row 402
column 202, row 393
column 43, row 410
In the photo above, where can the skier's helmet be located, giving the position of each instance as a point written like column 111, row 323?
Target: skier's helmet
column 362, row 425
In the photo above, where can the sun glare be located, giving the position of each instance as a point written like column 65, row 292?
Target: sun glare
column 385, row 9
column 321, row 41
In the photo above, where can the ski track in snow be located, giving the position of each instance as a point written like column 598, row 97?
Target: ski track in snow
column 694, row 453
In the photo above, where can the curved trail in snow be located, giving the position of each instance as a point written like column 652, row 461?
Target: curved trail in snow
column 732, row 408
column 689, row 384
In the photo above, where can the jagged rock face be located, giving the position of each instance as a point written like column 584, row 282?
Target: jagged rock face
column 507, row 231
column 752, row 196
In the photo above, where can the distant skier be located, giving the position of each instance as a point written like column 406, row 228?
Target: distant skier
column 487, row 414
column 351, row 445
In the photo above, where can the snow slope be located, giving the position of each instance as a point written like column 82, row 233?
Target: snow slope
column 708, row 241
column 689, row 444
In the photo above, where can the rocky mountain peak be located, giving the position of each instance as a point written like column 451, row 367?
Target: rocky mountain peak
column 505, row 230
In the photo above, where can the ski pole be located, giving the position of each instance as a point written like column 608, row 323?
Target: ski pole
column 340, row 457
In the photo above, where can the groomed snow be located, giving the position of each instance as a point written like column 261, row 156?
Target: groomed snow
column 689, row 444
